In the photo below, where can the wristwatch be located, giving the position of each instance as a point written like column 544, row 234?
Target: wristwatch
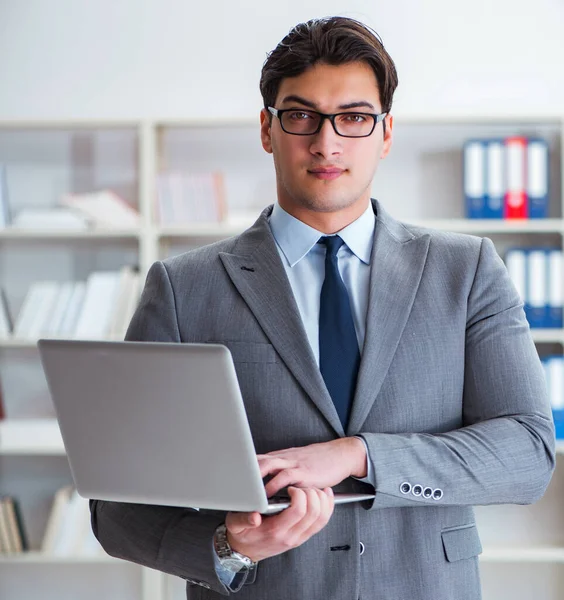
column 228, row 558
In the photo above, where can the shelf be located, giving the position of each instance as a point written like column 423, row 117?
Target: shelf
column 512, row 554
column 226, row 229
column 548, row 336
column 32, row 344
column 67, row 234
column 31, row 437
column 41, row 558
column 477, row 226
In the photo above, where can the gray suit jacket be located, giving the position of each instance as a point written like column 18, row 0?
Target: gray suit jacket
column 450, row 396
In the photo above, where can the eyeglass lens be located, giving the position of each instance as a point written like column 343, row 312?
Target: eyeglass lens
column 306, row 122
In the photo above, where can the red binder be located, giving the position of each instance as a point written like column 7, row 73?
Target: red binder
column 515, row 200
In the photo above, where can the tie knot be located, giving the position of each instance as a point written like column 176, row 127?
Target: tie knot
column 333, row 243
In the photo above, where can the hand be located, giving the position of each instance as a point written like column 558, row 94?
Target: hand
column 260, row 537
column 317, row 465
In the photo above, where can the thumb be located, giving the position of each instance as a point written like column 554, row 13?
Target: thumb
column 236, row 522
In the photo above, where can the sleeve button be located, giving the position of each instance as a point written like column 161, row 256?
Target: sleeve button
column 417, row 490
column 405, row 487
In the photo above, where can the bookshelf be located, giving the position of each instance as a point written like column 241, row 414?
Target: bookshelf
column 419, row 183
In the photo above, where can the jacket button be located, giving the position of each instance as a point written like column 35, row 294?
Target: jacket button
column 405, row 487
column 361, row 548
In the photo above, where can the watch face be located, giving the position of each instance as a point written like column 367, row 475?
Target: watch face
column 232, row 564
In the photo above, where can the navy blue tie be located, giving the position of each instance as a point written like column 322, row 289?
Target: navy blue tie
column 339, row 356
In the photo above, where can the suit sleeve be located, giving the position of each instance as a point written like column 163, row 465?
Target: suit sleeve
column 505, row 451
column 173, row 540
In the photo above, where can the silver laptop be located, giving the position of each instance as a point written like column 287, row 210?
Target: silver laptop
column 157, row 423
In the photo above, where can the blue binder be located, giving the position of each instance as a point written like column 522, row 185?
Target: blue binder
column 555, row 260
column 536, row 297
column 537, row 178
column 474, row 171
column 495, row 178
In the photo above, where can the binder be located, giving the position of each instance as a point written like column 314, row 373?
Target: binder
column 554, row 369
column 537, row 178
column 474, row 170
column 515, row 200
column 495, row 179
column 536, row 300
column 555, row 288
column 516, row 263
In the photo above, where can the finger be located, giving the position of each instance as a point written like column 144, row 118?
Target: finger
column 327, row 505
column 286, row 519
column 298, row 531
column 269, row 465
column 283, row 479
column 236, row 522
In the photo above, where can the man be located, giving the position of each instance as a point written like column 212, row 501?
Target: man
column 386, row 358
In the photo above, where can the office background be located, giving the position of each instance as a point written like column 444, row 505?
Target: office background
column 97, row 95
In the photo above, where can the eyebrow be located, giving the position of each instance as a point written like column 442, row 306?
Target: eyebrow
column 309, row 104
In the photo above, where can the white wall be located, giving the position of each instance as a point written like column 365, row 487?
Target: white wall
column 187, row 58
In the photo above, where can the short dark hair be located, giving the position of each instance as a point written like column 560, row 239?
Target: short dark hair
column 333, row 41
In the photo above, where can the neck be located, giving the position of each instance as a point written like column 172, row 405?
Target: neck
column 327, row 222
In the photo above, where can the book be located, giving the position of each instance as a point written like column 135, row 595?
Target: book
column 6, row 322
column 5, row 537
column 67, row 326
column 184, row 198
column 14, row 519
column 5, row 213
column 127, row 287
column 2, row 408
column 49, row 219
column 60, row 309
column 103, row 209
column 99, row 303
column 55, row 520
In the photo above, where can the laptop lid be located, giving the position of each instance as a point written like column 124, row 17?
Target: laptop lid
column 154, row 423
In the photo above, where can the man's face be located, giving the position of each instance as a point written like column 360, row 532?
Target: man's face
column 325, row 172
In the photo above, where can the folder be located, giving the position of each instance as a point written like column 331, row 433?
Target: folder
column 474, row 169
column 495, row 179
column 537, row 178
column 515, row 201
column 555, row 288
column 516, row 263
column 536, row 299
column 554, row 370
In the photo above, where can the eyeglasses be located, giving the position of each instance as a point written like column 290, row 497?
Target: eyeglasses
column 309, row 122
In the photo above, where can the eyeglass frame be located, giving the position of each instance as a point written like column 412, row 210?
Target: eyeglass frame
column 378, row 118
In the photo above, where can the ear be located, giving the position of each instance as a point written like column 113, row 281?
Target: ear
column 388, row 136
column 265, row 130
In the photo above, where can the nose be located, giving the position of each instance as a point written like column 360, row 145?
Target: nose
column 326, row 142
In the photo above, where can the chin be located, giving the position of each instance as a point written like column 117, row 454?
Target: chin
column 327, row 202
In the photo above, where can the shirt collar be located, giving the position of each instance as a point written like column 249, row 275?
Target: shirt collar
column 296, row 239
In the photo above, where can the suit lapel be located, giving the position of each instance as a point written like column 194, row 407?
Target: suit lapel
column 258, row 274
column 397, row 262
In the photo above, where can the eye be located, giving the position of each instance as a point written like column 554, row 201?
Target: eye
column 354, row 118
column 299, row 115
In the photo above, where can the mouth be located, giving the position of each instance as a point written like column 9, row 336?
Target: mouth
column 327, row 173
